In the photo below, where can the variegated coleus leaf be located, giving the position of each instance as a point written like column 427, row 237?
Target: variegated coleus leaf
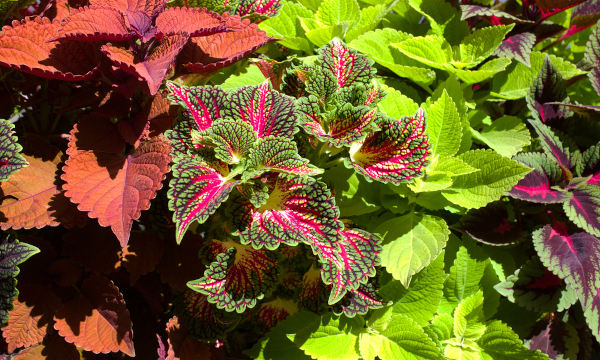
column 267, row 8
column 266, row 110
column 274, row 311
column 348, row 263
column 238, row 277
column 299, row 209
column 10, row 158
column 360, row 301
column 517, row 47
column 565, row 156
column 575, row 258
column 203, row 319
column 592, row 56
column 469, row 11
column 346, row 65
column 360, row 95
column 583, row 208
column 233, row 139
column 590, row 164
column 313, row 293
column 201, row 107
column 537, row 288
column 195, row 192
column 277, row 154
column 492, row 225
column 396, row 153
column 548, row 86
column 538, row 185
column 340, row 127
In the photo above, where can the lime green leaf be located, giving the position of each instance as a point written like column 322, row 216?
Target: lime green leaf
column 443, row 18
column 515, row 82
column 405, row 339
column 286, row 26
column 330, row 341
column 497, row 175
column 250, row 76
column 321, row 36
column 507, row 136
column 432, row 182
column 311, row 4
column 421, row 300
column 411, row 243
column 376, row 45
column 485, row 71
column 452, row 166
column 469, row 318
column 444, row 127
column 440, row 328
column 370, row 17
column 431, row 50
column 369, row 345
column 462, row 349
column 395, row 104
column 334, row 12
column 463, row 281
column 481, row 44
column 500, row 342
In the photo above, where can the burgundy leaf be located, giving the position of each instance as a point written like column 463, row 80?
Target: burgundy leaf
column 491, row 225
column 592, row 56
column 25, row 46
column 93, row 23
column 272, row 70
column 584, row 208
column 396, row 153
column 192, row 21
column 204, row 319
column 548, row 8
column 548, row 86
column 269, row 112
column 549, row 338
column 553, row 147
column 141, row 24
column 537, row 185
column 154, row 68
column 582, row 17
column 591, row 164
column 209, row 53
column 517, row 47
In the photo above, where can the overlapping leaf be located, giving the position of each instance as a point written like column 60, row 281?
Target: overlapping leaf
column 592, row 56
column 10, row 158
column 361, row 300
column 583, row 208
column 547, row 87
column 233, row 139
column 187, row 20
column 260, row 7
column 517, row 47
column 203, row 319
column 312, row 294
column 95, row 23
column 299, row 209
column 537, row 186
column 553, row 146
column 396, row 153
column 113, row 188
column 491, row 225
column 238, row 277
column 195, row 192
column 25, row 46
column 273, row 312
column 346, row 64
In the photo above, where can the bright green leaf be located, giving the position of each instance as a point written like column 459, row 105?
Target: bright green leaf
column 469, row 318
column 328, row 342
column 405, row 339
column 444, row 126
column 481, row 44
column 431, row 50
column 395, row 104
column 286, row 26
column 507, row 136
column 334, row 12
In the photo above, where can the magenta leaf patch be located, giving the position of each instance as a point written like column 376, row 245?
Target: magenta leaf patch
column 299, row 209
column 345, row 64
column 266, row 110
column 195, row 192
column 201, row 107
column 11, row 159
column 547, row 87
column 491, row 225
column 591, row 164
column 238, row 277
column 575, row 258
column 279, row 155
column 537, row 186
column 233, row 139
column 583, row 208
column 517, row 47
column 396, row 153
column 259, row 7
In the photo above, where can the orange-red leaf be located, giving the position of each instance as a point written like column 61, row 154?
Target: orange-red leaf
column 150, row 7
column 93, row 23
column 97, row 320
column 28, row 320
column 114, row 188
column 53, row 348
column 154, row 68
column 30, row 197
column 25, row 46
column 209, row 53
column 192, row 21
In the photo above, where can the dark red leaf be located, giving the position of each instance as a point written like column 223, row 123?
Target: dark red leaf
column 93, row 23
column 191, row 21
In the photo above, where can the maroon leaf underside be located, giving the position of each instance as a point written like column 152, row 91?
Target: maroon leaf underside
column 192, row 21
column 94, row 23
column 213, row 52
column 153, row 69
column 25, row 46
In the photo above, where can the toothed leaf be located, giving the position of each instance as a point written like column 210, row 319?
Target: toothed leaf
column 95, row 23
column 592, row 56
column 261, row 7
column 360, row 301
column 280, row 155
column 233, row 139
column 517, row 47
column 345, row 64
column 191, row 21
column 537, row 186
column 10, row 158
column 396, row 153
column 548, row 86
column 195, row 192
column 584, row 208
column 553, row 146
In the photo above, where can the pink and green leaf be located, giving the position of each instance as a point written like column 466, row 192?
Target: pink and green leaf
column 269, row 112
column 346, row 65
column 260, row 7
column 299, row 209
column 583, row 208
column 537, row 186
column 238, row 277
column 591, row 164
column 517, row 47
column 233, row 139
column 592, row 56
column 553, row 146
column 279, row 155
column 360, row 301
column 313, row 292
column 396, row 153
column 548, row 86
column 469, row 11
column 11, row 159
column 195, row 192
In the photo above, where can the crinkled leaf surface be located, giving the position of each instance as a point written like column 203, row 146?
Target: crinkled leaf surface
column 583, row 208
column 481, row 44
column 233, row 139
column 411, row 242
column 260, row 7
column 329, row 341
column 517, row 47
column 10, row 158
column 537, row 185
column 188, row 20
column 553, row 146
column 396, row 153
column 499, row 341
column 592, row 55
column 95, row 23
column 345, row 64
column 97, row 319
column 444, row 126
column 507, row 135
column 548, row 86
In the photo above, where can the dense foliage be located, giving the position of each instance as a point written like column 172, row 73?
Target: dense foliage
column 296, row 179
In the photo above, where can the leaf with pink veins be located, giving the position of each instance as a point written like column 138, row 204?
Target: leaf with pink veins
column 538, row 185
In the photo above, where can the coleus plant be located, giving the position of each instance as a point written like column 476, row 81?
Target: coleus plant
column 243, row 146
